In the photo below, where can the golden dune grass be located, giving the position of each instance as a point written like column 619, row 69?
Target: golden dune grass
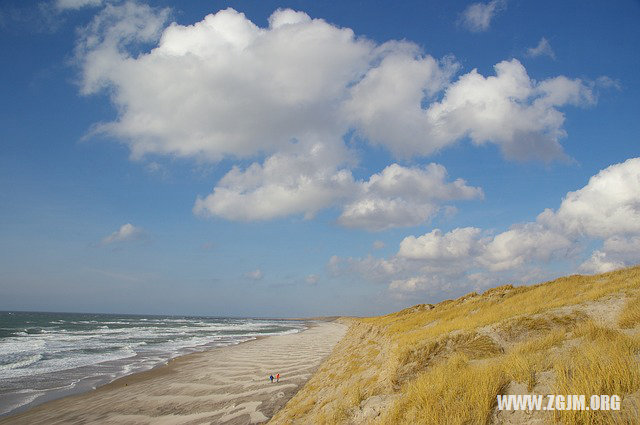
column 604, row 363
column 442, row 394
column 630, row 315
column 446, row 363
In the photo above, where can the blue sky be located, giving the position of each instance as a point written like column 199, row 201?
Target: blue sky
column 309, row 158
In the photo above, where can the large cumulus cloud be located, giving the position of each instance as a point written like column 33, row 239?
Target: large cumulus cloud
column 224, row 87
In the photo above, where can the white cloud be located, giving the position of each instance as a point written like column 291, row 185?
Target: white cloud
column 102, row 50
column 286, row 95
column 195, row 92
column 616, row 252
column 309, row 177
column 599, row 263
column 607, row 209
column 524, row 243
column 412, row 284
column 624, row 248
column 222, row 86
column 608, row 83
column 429, row 284
column 376, row 214
column 377, row 245
column 428, row 182
column 477, row 16
column 126, row 232
column 608, row 205
column 312, row 279
column 459, row 244
column 254, row 275
column 304, row 180
column 76, row 4
column 509, row 109
column 401, row 196
column 542, row 49
column 386, row 106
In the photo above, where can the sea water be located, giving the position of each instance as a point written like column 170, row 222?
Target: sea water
column 49, row 355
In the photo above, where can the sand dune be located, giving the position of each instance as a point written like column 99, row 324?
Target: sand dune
column 447, row 363
column 227, row 385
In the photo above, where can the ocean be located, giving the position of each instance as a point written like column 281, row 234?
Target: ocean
column 44, row 356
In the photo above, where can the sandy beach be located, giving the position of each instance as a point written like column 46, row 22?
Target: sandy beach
column 227, row 385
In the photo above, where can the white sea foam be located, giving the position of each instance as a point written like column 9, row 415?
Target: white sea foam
column 22, row 362
column 55, row 354
column 21, row 401
column 65, row 363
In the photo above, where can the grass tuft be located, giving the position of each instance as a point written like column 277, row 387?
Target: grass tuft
column 630, row 315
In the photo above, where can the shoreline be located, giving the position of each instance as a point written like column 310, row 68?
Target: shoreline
column 17, row 398
column 226, row 384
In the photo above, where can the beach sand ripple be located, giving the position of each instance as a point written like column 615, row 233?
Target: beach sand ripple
column 227, row 385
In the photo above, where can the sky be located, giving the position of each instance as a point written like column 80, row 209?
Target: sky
column 302, row 158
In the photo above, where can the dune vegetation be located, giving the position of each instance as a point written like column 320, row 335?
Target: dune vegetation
column 446, row 363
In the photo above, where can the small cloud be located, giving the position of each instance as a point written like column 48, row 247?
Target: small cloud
column 477, row 17
column 608, row 83
column 157, row 169
column 599, row 263
column 449, row 211
column 312, row 279
column 126, row 232
column 378, row 245
column 254, row 275
column 154, row 167
column 76, row 4
column 542, row 49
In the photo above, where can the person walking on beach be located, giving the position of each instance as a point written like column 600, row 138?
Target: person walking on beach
column 277, row 377
column 271, row 377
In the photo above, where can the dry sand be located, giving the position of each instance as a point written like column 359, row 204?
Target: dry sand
column 227, row 385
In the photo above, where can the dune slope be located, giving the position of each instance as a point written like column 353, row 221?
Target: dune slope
column 446, row 363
